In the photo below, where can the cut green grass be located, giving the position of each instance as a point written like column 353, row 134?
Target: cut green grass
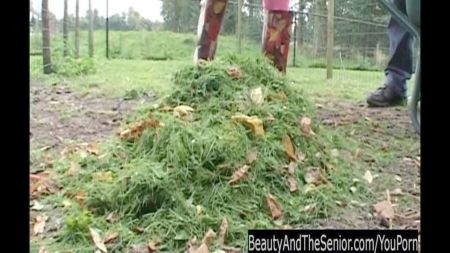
column 171, row 173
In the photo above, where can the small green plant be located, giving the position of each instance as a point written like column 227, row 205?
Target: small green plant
column 77, row 225
column 74, row 67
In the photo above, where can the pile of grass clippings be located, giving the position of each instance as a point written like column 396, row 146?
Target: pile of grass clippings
column 234, row 147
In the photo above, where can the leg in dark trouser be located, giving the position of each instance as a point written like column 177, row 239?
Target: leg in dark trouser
column 399, row 67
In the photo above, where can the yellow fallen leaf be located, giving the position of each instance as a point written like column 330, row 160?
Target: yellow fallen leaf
column 368, row 177
column 92, row 148
column 98, row 241
column 305, row 127
column 309, row 188
column 252, row 155
column 103, row 176
column 397, row 192
column 42, row 250
column 309, row 208
column 289, row 148
column 274, row 207
column 73, row 169
column 255, row 124
column 223, row 231
column 239, row 174
column 256, row 95
column 182, row 111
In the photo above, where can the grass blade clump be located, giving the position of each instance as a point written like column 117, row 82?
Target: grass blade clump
column 174, row 182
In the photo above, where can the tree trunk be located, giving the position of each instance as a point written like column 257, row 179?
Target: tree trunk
column 65, row 30
column 77, row 29
column 91, row 31
column 319, row 26
column 46, row 38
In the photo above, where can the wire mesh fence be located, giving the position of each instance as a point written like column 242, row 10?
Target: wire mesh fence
column 360, row 35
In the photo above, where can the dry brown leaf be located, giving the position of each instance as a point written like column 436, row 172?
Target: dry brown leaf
column 313, row 176
column 309, row 188
column 112, row 218
column 42, row 250
column 289, row 148
column 368, row 177
column 92, row 148
column 39, row 224
column 300, row 156
column 334, row 153
column 202, row 249
column 256, row 95
column 397, row 192
column 384, row 209
column 291, row 168
column 111, row 237
column 234, row 72
column 417, row 161
column 223, row 231
column 198, row 209
column 252, row 155
column 153, row 246
column 270, row 117
column 165, row 108
column 231, row 249
column 292, row 184
column 277, row 96
column 139, row 248
column 138, row 230
column 209, row 237
column 309, row 208
column 79, row 197
column 73, row 169
column 182, row 111
column 98, row 241
column 305, row 126
column 239, row 174
column 274, row 206
column 135, row 130
column 42, row 184
column 105, row 176
column 254, row 123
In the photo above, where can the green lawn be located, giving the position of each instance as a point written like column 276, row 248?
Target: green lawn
column 117, row 77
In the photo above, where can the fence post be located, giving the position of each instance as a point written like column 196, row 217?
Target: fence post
column 330, row 39
column 299, row 26
column 107, row 30
column 239, row 25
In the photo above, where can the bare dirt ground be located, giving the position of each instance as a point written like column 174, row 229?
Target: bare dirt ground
column 388, row 130
column 60, row 115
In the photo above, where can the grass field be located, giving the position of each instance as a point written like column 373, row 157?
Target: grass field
column 352, row 140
